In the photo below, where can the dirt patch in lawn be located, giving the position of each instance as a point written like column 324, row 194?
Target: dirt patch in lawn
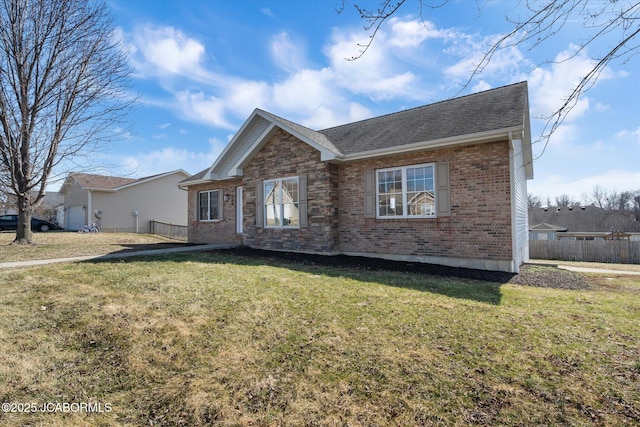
column 530, row 275
column 549, row 277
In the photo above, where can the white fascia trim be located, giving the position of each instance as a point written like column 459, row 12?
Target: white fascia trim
column 438, row 143
column 195, row 182
column 153, row 178
column 236, row 170
column 231, row 143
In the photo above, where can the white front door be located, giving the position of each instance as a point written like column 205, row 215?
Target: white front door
column 239, row 217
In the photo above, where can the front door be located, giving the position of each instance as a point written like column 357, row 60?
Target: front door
column 239, row 210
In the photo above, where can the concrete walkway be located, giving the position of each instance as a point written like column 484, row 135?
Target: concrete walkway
column 585, row 268
column 115, row 255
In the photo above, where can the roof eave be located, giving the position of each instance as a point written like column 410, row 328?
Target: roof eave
column 142, row 181
column 475, row 138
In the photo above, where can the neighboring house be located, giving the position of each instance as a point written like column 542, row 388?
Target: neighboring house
column 50, row 208
column 119, row 204
column 581, row 223
column 544, row 231
column 444, row 183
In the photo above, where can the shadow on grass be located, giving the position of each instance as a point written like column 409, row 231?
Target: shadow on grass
column 477, row 285
column 137, row 247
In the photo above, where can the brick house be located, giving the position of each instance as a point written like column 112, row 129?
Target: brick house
column 444, row 183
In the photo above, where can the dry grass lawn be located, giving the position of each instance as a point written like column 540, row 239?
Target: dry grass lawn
column 53, row 244
column 220, row 339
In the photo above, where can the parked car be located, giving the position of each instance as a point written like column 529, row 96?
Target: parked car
column 10, row 222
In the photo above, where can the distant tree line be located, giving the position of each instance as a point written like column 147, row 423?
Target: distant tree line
column 623, row 202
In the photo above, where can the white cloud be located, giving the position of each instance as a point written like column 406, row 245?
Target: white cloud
column 551, row 87
column 286, row 54
column 243, row 96
column 165, row 50
column 305, row 90
column 171, row 158
column 629, row 135
column 374, row 74
column 410, row 32
column 196, row 106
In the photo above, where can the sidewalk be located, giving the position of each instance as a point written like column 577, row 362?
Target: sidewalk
column 584, row 269
column 115, row 255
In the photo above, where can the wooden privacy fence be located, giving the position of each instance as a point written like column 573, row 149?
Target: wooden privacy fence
column 611, row 251
column 177, row 232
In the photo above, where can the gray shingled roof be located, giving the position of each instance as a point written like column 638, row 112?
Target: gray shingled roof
column 501, row 108
column 101, row 182
column 585, row 219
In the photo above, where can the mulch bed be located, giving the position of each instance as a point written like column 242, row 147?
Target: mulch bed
column 530, row 275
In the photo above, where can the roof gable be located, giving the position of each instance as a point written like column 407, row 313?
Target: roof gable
column 547, row 227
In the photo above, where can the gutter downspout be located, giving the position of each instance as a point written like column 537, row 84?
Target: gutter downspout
column 89, row 207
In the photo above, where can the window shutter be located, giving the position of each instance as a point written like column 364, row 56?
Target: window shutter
column 443, row 193
column 259, row 204
column 220, row 205
column 369, row 194
column 302, row 199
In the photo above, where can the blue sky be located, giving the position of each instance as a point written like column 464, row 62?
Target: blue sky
column 201, row 67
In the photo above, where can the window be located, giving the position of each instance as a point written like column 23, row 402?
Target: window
column 209, row 205
column 406, row 192
column 281, row 202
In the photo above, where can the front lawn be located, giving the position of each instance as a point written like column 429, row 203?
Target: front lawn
column 222, row 339
column 65, row 244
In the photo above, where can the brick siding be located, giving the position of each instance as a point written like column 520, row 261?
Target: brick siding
column 285, row 156
column 480, row 223
column 479, row 226
column 223, row 231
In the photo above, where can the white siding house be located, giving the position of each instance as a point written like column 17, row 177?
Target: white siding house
column 119, row 204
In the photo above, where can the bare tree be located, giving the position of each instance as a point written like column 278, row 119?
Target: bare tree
column 533, row 201
column 543, row 20
column 599, row 196
column 63, row 85
column 564, row 201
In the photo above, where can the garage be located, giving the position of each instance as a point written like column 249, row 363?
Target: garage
column 75, row 218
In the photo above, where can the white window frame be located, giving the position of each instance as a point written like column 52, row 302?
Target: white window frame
column 209, row 205
column 405, row 207
column 281, row 206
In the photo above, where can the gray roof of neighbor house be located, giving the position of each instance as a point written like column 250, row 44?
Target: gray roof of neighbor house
column 483, row 116
column 110, row 183
column 582, row 219
column 102, row 182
